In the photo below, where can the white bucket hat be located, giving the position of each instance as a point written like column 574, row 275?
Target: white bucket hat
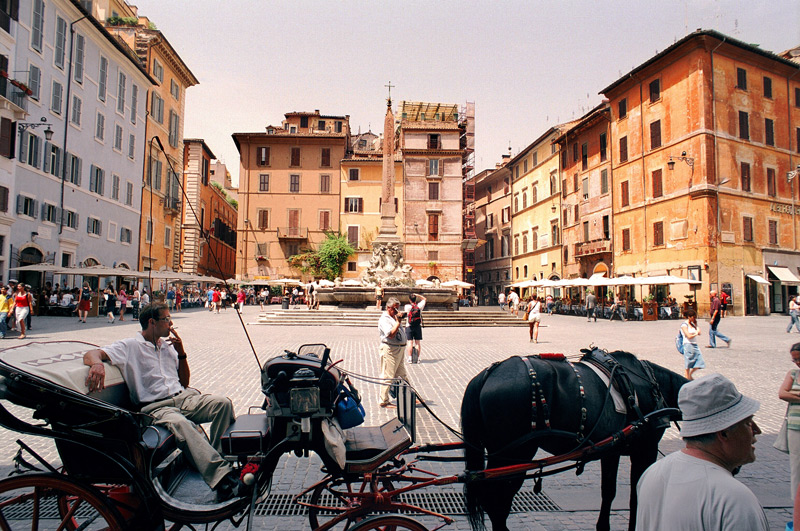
column 711, row 404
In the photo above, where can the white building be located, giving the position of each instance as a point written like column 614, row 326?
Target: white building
column 77, row 197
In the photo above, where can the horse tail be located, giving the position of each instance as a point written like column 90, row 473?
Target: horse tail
column 472, row 427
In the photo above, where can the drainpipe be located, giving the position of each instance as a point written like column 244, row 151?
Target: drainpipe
column 716, row 163
column 66, row 121
column 791, row 166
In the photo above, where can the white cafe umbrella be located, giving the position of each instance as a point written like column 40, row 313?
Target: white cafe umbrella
column 42, row 268
column 457, row 284
column 424, row 283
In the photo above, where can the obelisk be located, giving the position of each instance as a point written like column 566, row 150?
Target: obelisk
column 388, row 230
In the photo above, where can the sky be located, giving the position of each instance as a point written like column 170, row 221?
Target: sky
column 527, row 65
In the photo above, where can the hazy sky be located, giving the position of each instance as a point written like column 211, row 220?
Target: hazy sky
column 526, row 65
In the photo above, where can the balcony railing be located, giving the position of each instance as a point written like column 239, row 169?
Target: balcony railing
column 172, row 203
column 13, row 94
column 292, row 233
column 593, row 247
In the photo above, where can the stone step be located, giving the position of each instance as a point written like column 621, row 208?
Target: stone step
column 431, row 318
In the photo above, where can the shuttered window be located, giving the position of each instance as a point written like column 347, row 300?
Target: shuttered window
column 658, row 233
column 747, row 229
column 657, row 184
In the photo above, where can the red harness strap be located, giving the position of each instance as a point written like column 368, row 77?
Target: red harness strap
column 555, row 356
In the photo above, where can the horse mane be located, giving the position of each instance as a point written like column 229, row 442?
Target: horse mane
column 669, row 381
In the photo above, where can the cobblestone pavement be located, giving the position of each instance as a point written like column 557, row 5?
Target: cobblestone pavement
column 222, row 362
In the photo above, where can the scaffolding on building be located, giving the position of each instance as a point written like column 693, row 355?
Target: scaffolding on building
column 467, row 144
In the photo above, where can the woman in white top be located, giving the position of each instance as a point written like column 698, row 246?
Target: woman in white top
column 794, row 314
column 692, row 357
column 534, row 316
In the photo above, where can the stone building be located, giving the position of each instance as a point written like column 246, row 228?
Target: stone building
column 536, row 203
column 360, row 206
column 289, row 182
column 704, row 139
column 77, row 193
column 208, row 243
column 493, row 230
column 585, row 170
column 430, row 146
column 160, row 226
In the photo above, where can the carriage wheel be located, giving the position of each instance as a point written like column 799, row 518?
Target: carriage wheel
column 335, row 497
column 389, row 522
column 33, row 502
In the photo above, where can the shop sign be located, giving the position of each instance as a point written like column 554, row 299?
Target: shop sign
column 784, row 209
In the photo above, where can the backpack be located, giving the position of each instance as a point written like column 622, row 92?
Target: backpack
column 679, row 342
column 414, row 315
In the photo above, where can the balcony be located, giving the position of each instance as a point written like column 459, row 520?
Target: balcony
column 13, row 94
column 172, row 204
column 592, row 247
column 292, row 233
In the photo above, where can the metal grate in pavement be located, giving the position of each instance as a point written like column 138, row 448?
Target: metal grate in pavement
column 443, row 502
column 48, row 508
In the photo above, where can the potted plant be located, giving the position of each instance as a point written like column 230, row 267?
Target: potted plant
column 261, row 258
column 649, row 307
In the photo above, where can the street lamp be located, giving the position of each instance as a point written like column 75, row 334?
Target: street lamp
column 48, row 133
column 688, row 160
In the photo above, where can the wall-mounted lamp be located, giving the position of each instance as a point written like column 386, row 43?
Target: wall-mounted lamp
column 792, row 174
column 553, row 208
column 688, row 160
column 48, row 133
column 34, row 235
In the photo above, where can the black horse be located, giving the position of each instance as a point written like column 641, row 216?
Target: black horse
column 498, row 413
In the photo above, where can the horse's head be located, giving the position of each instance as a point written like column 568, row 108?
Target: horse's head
column 669, row 382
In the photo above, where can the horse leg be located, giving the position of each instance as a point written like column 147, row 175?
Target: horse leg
column 609, row 466
column 498, row 497
column 640, row 460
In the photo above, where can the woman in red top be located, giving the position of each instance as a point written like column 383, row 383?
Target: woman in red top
column 22, row 307
column 241, row 296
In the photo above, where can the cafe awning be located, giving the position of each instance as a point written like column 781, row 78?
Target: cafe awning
column 758, row 279
column 783, row 274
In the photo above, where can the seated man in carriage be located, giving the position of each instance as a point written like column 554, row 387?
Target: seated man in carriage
column 157, row 374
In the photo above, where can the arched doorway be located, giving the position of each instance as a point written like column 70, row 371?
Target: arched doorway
column 30, row 256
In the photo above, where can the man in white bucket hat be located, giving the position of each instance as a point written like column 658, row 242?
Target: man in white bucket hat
column 695, row 488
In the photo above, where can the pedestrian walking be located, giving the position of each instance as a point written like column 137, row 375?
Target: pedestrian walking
column 178, row 301
column 392, row 348
column 6, row 304
column 123, row 302
column 549, row 304
column 378, row 296
column 262, row 297
column 216, row 297
column 794, row 314
column 591, row 306
column 692, row 357
column 110, row 296
column 85, row 304
column 694, row 488
column 616, row 308
column 414, row 329
column 136, row 300
column 790, row 392
column 716, row 315
column 241, row 297
column 501, row 300
column 724, row 299
column 513, row 302
column 23, row 302
column 534, row 317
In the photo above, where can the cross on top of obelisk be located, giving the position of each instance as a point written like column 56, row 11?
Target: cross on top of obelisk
column 390, row 86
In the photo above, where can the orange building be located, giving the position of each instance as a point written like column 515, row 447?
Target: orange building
column 586, row 216
column 704, row 136
column 160, row 225
column 288, row 190
column 208, row 243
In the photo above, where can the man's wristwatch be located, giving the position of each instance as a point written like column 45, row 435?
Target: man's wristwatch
column 181, row 356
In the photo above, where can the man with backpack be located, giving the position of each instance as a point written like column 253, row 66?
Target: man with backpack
column 414, row 330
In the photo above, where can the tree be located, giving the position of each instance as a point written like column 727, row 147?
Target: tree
column 328, row 261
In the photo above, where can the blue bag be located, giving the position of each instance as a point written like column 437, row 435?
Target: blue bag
column 679, row 342
column 349, row 411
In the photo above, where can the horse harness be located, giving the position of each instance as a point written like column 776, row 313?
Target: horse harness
column 617, row 376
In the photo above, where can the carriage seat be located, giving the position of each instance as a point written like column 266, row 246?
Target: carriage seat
column 369, row 447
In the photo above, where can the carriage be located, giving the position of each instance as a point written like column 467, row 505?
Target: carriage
column 120, row 471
